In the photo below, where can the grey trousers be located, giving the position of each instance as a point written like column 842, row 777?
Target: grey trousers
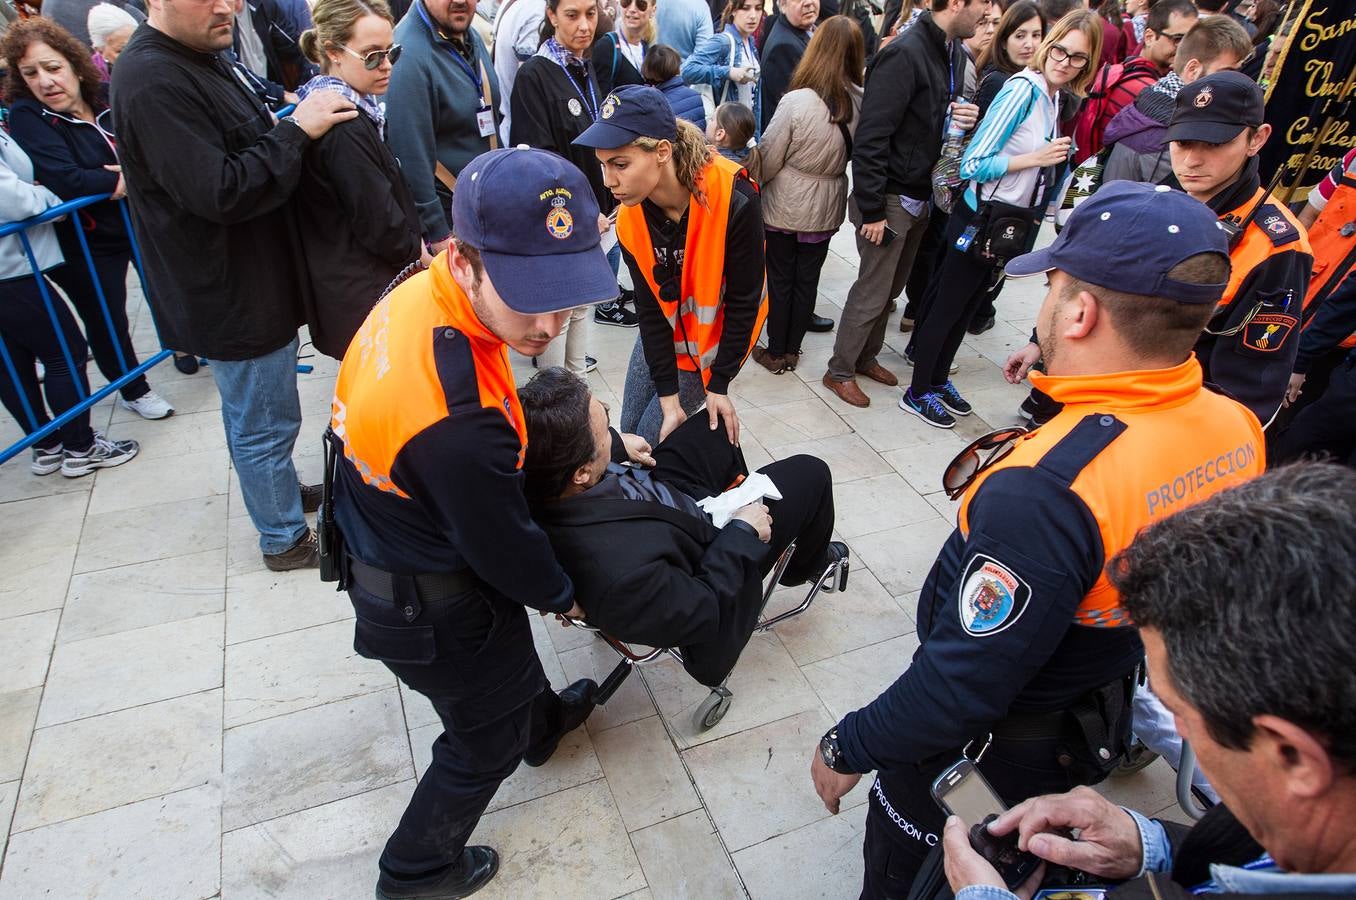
column 881, row 276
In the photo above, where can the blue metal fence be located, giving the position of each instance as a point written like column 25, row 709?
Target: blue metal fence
column 87, row 400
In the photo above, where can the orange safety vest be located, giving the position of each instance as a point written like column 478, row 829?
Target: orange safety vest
column 1333, row 238
column 388, row 389
column 1272, row 231
column 698, row 316
column 1181, row 444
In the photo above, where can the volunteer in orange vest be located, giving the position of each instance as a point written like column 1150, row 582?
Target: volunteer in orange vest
column 1027, row 660
column 1330, row 216
column 691, row 230
column 439, row 554
column 1249, row 345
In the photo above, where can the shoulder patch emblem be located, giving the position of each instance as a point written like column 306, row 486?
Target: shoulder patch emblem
column 1267, row 332
column 1277, row 227
column 992, row 596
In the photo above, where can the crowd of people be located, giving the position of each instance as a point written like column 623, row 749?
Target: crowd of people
column 425, row 192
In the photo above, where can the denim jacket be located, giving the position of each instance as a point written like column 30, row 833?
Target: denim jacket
column 708, row 65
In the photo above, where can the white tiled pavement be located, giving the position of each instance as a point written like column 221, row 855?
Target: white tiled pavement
column 178, row 722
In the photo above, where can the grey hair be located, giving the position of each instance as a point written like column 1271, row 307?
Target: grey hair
column 1254, row 594
column 103, row 20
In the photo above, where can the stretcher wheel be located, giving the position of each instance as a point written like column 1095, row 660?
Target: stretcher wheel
column 712, row 709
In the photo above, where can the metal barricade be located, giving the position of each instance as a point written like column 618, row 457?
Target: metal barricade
column 87, row 400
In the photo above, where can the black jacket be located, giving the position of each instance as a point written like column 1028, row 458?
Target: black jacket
column 69, row 156
column 611, row 67
column 657, row 576
column 899, row 136
column 287, row 65
column 359, row 228
column 779, row 57
column 209, row 178
column 543, row 116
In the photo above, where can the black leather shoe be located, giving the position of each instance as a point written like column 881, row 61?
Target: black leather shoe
column 310, row 496
column 577, row 700
column 476, row 869
column 835, row 552
column 820, row 324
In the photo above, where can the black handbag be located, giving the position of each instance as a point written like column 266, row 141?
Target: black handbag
column 1004, row 230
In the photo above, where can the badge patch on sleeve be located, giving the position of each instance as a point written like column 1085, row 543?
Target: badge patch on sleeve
column 992, row 596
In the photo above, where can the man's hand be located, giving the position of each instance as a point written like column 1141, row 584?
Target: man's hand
column 831, row 786
column 964, row 115
column 874, row 231
column 1292, row 391
column 1108, row 839
column 756, row 514
column 718, row 406
column 673, row 415
column 638, row 450
column 321, row 111
column 965, row 867
column 1020, row 362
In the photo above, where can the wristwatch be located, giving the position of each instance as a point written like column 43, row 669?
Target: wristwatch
column 293, row 119
column 832, row 754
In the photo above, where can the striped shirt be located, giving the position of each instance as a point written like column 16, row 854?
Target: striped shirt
column 1022, row 118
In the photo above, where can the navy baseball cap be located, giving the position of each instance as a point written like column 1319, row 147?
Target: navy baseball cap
column 1128, row 236
column 534, row 219
column 630, row 112
column 1214, row 109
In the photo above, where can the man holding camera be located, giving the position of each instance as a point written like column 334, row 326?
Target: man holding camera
column 1214, row 612
column 1027, row 660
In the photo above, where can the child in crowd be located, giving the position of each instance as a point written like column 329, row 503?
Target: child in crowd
column 660, row 70
column 731, row 129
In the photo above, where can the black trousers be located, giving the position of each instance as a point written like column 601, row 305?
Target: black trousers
column 957, row 290
column 702, row 463
column 925, row 264
column 111, row 270
column 904, row 823
column 27, row 331
column 1327, row 426
column 793, row 269
column 472, row 656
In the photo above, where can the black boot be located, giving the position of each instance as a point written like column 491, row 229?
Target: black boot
column 834, row 552
column 576, row 703
column 473, row 871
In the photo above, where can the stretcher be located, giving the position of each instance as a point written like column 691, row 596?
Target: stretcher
column 711, row 710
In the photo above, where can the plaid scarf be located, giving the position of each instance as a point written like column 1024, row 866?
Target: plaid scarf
column 374, row 108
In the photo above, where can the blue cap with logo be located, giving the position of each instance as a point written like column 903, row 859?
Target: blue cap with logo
column 1127, row 237
column 533, row 217
column 630, row 112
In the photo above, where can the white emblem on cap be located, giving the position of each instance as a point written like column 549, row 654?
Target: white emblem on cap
column 1105, row 216
column 610, row 106
column 1162, row 187
column 575, row 108
column 1173, row 229
column 1203, row 98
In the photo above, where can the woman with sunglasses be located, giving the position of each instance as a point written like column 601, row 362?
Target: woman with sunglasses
column 727, row 62
column 1010, row 160
column 359, row 224
column 618, row 54
column 691, row 231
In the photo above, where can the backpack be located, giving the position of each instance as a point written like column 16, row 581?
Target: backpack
column 1114, row 88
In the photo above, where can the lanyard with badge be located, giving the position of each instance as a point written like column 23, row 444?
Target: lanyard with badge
column 484, row 114
column 593, row 94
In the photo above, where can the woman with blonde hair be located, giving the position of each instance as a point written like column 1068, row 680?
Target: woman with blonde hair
column 359, row 225
column 691, row 231
column 618, row 54
column 1010, row 161
column 801, row 164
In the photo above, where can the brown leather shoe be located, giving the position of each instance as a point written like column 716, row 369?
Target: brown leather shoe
column 304, row 554
column 847, row 391
column 877, row 372
column 774, row 364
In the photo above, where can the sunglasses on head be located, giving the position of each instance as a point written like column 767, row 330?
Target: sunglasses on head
column 982, row 453
column 641, row 5
column 372, row 59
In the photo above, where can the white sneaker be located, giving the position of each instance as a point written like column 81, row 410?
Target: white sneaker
column 149, row 405
column 47, row 460
column 102, row 454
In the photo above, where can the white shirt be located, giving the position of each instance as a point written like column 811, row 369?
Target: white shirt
column 516, row 29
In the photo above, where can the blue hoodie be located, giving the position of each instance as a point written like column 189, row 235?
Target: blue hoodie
column 685, row 102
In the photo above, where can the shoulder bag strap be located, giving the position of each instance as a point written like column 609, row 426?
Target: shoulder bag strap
column 1030, row 106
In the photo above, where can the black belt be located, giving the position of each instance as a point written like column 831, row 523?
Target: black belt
column 430, row 587
column 1034, row 726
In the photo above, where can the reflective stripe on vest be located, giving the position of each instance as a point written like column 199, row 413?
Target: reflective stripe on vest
column 1333, row 239
column 698, row 316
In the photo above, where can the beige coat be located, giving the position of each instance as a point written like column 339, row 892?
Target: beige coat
column 801, row 164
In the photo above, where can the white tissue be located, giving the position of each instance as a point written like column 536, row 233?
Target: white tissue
column 753, row 489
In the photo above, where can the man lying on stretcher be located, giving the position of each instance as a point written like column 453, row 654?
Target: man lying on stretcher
column 648, row 564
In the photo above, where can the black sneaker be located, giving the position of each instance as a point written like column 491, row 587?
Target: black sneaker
column 188, row 363
column 1037, row 413
column 928, row 407
column 577, row 702
column 615, row 314
column 304, row 554
column 590, row 364
column 102, row 454
column 952, row 399
column 979, row 326
column 476, row 868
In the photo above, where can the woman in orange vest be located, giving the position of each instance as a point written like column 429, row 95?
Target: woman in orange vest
column 691, row 230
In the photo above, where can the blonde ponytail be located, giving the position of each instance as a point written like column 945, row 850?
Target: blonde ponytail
column 690, row 156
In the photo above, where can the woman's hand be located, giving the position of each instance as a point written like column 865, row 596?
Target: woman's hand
column 718, row 406
column 1052, row 154
column 121, row 190
column 604, row 224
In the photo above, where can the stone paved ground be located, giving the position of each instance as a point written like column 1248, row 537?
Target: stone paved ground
column 178, row 722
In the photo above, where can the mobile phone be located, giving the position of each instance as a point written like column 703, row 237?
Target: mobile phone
column 889, row 235
column 962, row 791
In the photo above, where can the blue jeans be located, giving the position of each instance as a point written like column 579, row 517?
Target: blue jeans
column 262, row 414
column 614, row 257
column 640, row 412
